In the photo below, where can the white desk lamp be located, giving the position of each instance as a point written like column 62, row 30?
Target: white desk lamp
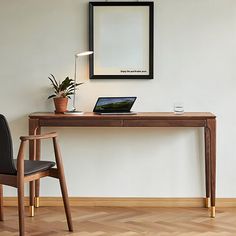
column 74, row 111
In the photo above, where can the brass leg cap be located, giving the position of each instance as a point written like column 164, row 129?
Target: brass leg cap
column 213, row 212
column 31, row 211
column 208, row 202
column 36, row 202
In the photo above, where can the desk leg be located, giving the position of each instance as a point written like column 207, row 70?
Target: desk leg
column 34, row 152
column 37, row 182
column 207, row 166
column 211, row 126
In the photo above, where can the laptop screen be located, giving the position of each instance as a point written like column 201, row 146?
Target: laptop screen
column 114, row 104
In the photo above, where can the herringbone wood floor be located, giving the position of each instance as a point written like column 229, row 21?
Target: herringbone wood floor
column 114, row 221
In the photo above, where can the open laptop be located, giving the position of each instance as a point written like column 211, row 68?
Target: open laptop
column 114, row 105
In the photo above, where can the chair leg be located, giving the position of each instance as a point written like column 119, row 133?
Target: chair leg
column 62, row 180
column 20, row 187
column 31, row 200
column 21, row 208
column 1, row 202
column 66, row 200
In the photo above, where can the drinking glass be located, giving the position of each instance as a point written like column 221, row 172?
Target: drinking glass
column 178, row 108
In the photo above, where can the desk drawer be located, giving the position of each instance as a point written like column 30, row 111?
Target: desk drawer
column 164, row 123
column 81, row 123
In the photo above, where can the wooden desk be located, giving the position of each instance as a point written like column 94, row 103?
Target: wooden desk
column 146, row 119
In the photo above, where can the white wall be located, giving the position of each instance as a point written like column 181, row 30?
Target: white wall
column 194, row 63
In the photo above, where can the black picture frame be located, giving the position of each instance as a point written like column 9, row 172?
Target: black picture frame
column 120, row 73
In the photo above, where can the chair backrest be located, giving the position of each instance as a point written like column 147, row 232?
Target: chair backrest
column 7, row 165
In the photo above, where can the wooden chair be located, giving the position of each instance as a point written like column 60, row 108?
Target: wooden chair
column 17, row 172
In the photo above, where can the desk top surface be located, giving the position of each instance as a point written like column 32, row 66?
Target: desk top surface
column 138, row 116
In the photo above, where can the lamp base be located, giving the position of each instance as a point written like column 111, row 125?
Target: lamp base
column 74, row 112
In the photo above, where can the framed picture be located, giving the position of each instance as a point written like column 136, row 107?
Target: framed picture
column 121, row 37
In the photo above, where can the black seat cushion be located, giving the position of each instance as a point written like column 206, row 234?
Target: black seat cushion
column 32, row 167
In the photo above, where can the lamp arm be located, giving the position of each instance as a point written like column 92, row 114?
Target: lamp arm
column 75, row 77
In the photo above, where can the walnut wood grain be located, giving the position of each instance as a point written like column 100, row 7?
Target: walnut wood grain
column 206, row 120
column 36, row 137
column 139, row 115
column 67, row 122
column 63, row 186
column 211, row 127
column 20, row 178
column 34, row 154
column 1, row 203
column 207, row 165
column 164, row 123
column 36, row 186
column 20, row 188
column 9, row 180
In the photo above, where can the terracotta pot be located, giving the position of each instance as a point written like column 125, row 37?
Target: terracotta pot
column 60, row 104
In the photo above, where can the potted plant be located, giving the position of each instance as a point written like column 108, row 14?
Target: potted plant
column 62, row 91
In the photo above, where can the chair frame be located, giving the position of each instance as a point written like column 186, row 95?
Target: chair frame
column 20, row 179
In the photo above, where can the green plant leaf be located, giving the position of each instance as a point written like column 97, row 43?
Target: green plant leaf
column 54, row 85
column 64, row 88
column 70, row 90
column 51, row 96
column 79, row 84
column 69, row 93
column 54, row 79
column 64, row 84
